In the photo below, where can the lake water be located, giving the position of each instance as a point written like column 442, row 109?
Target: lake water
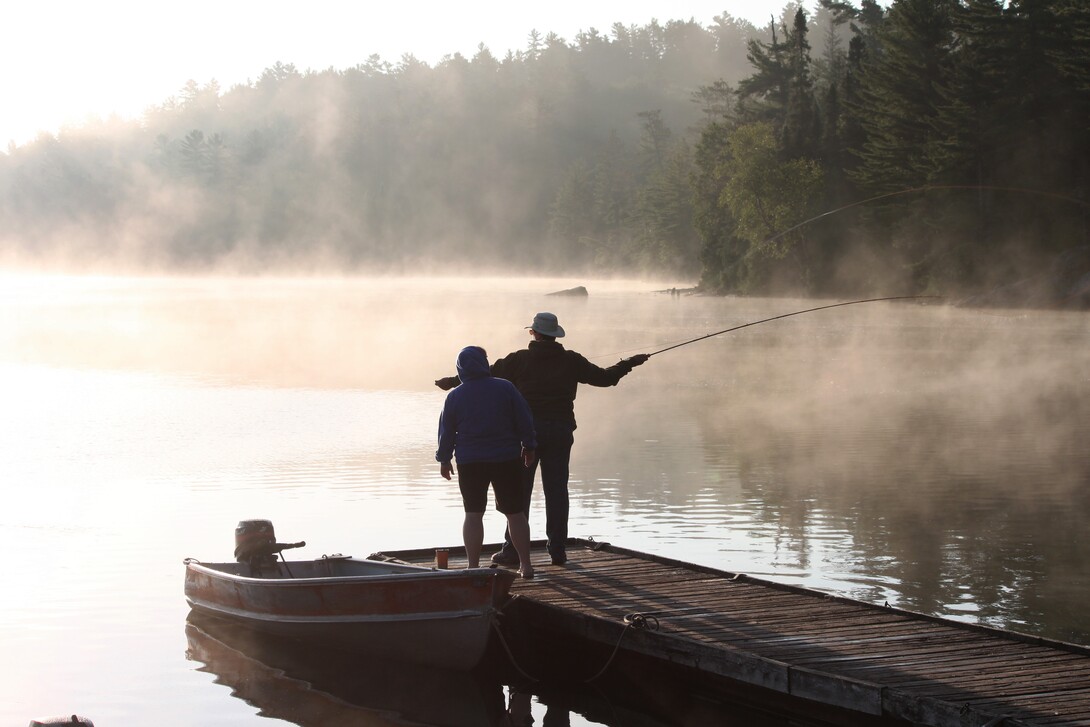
column 927, row 456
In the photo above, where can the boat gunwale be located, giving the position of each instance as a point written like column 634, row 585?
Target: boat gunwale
column 352, row 618
column 210, row 570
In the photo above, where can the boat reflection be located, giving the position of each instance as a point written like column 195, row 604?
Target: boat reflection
column 311, row 687
column 291, row 681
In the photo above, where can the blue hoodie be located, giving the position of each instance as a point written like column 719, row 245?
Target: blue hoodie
column 485, row 419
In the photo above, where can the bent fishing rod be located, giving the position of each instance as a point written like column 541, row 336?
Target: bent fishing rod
column 788, row 315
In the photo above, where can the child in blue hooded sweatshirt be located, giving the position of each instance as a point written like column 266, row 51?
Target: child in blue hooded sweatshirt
column 486, row 424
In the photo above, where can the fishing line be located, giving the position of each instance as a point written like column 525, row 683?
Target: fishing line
column 925, row 188
column 788, row 315
column 887, row 195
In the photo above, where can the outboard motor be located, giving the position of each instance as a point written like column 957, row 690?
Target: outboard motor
column 255, row 544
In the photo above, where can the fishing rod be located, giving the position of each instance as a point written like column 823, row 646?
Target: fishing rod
column 788, row 315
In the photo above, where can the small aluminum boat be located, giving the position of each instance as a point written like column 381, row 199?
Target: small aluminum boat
column 389, row 610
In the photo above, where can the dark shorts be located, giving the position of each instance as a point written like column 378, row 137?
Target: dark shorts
column 505, row 478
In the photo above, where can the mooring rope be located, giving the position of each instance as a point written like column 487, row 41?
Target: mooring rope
column 631, row 621
column 506, row 648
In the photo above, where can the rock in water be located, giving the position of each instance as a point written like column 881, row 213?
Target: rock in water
column 578, row 290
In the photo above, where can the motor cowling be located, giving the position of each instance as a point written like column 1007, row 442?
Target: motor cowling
column 255, row 539
column 255, row 544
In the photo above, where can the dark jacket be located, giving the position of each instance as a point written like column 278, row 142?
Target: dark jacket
column 548, row 375
column 485, row 419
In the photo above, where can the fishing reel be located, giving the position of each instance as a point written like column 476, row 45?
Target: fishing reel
column 255, row 544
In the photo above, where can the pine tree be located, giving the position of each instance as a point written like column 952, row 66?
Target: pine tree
column 900, row 96
column 800, row 134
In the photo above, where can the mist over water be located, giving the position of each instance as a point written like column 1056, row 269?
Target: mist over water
column 925, row 455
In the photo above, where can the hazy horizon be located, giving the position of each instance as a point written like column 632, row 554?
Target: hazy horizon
column 66, row 63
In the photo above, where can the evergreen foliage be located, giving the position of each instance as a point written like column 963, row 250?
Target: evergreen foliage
column 948, row 152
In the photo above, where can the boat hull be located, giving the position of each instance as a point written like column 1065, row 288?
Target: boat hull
column 389, row 611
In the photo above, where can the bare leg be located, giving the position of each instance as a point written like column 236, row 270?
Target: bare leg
column 473, row 537
column 520, row 538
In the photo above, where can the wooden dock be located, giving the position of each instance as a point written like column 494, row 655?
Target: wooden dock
column 844, row 660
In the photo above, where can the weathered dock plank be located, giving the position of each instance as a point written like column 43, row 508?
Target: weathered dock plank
column 864, row 659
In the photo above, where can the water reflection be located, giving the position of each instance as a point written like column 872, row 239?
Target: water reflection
column 311, row 687
column 320, row 688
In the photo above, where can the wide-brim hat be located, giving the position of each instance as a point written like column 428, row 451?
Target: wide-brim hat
column 547, row 325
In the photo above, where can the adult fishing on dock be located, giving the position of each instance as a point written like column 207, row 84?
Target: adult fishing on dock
column 548, row 375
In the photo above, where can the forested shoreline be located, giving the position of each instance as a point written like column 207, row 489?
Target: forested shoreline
column 938, row 146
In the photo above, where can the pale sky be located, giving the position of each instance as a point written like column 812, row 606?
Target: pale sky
column 62, row 61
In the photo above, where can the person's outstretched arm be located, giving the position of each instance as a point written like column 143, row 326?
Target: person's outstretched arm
column 598, row 376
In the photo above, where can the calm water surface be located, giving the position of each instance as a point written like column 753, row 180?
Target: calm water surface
column 926, row 456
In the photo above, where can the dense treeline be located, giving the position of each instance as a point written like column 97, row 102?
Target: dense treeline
column 965, row 125
column 936, row 145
